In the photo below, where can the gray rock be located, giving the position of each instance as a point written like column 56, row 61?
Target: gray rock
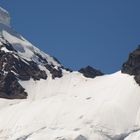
column 132, row 65
column 90, row 72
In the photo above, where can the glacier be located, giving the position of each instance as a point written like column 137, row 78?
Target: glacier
column 72, row 107
column 104, row 108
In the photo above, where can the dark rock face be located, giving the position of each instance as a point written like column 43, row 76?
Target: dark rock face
column 14, row 68
column 56, row 73
column 24, row 69
column 132, row 65
column 10, row 87
column 90, row 72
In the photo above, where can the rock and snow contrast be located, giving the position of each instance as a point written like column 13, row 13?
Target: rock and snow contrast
column 42, row 100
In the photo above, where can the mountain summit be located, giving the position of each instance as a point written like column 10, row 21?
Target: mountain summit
column 132, row 65
column 20, row 60
column 4, row 17
column 42, row 100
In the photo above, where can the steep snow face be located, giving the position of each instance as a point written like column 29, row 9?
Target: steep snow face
column 4, row 17
column 25, row 49
column 74, row 108
column 19, row 59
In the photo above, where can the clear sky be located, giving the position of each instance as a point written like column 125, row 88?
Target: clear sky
column 100, row 33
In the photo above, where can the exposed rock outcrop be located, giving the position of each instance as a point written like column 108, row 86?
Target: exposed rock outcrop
column 56, row 73
column 10, row 87
column 14, row 68
column 90, row 72
column 132, row 65
column 22, row 69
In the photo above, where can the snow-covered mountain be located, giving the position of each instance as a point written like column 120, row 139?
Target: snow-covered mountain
column 42, row 100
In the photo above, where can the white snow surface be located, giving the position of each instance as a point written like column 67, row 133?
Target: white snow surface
column 74, row 108
column 69, row 108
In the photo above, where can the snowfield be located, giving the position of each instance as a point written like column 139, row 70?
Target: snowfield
column 74, row 108
column 71, row 107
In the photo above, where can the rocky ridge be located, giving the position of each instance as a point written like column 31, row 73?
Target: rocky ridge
column 90, row 72
column 132, row 65
column 22, row 61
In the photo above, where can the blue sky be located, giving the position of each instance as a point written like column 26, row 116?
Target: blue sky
column 100, row 33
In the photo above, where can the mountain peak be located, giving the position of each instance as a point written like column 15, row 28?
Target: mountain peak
column 4, row 17
column 90, row 72
column 20, row 60
column 132, row 65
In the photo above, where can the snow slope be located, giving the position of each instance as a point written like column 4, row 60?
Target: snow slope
column 23, row 47
column 74, row 108
column 71, row 107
